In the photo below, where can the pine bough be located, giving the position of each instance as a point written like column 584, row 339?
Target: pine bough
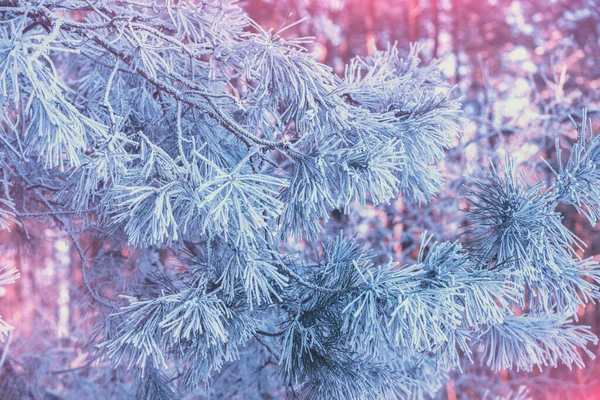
column 186, row 126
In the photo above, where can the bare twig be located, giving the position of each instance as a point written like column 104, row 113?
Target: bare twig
column 269, row 349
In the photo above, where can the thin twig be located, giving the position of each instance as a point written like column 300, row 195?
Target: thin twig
column 270, row 334
column 51, row 213
column 269, row 349
column 75, row 369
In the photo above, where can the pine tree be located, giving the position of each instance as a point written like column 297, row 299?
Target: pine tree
column 214, row 151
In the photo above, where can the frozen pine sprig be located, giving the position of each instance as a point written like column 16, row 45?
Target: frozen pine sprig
column 364, row 170
column 578, row 283
column 513, row 220
column 277, row 71
column 308, row 198
column 186, row 322
column 416, row 103
column 435, row 302
column 528, row 341
column 156, row 386
column 367, row 171
column 516, row 225
column 363, row 380
column 578, row 180
column 431, row 307
column 428, row 376
column 185, row 130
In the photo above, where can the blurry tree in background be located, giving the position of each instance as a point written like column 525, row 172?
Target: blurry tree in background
column 193, row 205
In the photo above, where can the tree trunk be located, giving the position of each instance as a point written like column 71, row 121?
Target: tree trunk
column 435, row 18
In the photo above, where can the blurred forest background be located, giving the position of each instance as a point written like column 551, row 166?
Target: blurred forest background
column 525, row 71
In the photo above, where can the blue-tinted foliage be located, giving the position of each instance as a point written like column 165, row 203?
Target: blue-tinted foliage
column 186, row 130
